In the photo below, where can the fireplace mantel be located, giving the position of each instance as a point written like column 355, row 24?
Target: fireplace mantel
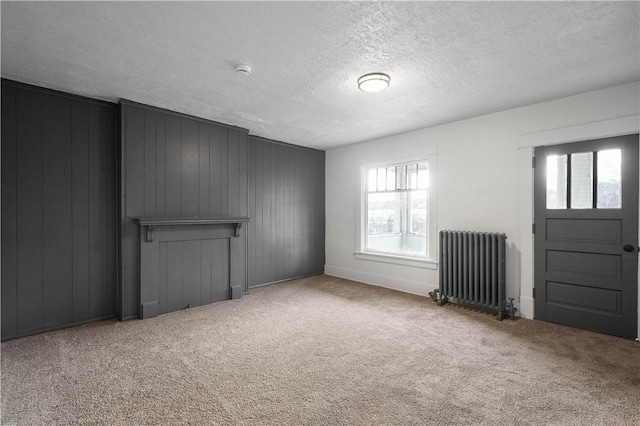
column 190, row 261
column 152, row 222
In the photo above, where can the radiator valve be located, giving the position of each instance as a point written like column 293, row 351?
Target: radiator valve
column 434, row 294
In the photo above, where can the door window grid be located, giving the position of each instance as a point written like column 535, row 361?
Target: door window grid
column 586, row 180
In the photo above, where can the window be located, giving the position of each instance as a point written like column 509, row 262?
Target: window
column 585, row 180
column 396, row 207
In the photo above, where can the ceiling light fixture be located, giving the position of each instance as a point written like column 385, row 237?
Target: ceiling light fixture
column 373, row 82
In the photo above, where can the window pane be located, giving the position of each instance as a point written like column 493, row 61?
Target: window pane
column 382, row 179
column 397, row 223
column 582, row 180
column 418, row 212
column 400, row 178
column 412, row 176
column 391, row 178
column 609, row 179
column 383, row 213
column 557, row 182
column 423, row 175
column 372, row 180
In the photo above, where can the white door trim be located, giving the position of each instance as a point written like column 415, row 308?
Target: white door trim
column 526, row 144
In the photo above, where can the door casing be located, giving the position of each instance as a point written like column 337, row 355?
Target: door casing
column 620, row 227
column 526, row 143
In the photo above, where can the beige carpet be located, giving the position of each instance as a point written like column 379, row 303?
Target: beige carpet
column 321, row 351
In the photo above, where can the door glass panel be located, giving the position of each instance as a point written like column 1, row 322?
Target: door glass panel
column 582, row 180
column 557, row 182
column 609, row 179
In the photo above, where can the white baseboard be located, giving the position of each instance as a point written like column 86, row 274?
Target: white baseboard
column 526, row 307
column 408, row 286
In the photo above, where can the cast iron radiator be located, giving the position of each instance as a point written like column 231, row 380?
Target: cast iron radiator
column 472, row 271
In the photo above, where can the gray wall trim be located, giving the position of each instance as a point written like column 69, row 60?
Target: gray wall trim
column 315, row 274
column 267, row 140
column 44, row 90
column 180, row 114
column 59, row 327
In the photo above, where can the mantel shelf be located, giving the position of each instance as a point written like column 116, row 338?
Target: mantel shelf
column 170, row 221
column 152, row 222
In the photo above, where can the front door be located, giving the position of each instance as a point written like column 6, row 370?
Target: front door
column 586, row 235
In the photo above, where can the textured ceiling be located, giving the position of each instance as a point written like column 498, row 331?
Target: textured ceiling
column 447, row 60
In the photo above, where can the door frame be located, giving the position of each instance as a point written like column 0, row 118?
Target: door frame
column 526, row 144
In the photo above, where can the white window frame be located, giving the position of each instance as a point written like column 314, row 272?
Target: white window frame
column 421, row 154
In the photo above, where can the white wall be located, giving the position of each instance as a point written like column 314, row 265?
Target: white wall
column 478, row 185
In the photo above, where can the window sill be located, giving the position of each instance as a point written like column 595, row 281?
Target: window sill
column 397, row 260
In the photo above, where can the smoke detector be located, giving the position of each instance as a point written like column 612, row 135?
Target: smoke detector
column 243, row 69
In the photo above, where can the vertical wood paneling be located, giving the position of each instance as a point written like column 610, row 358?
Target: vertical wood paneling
column 267, row 238
column 134, row 160
column 256, row 214
column 233, row 182
column 150, row 163
column 190, row 168
column 161, row 174
column 191, row 273
column 174, row 276
column 279, row 210
column 206, row 271
column 204, row 182
column 288, row 234
column 80, row 189
column 251, row 227
column 98, row 218
column 9, row 213
column 223, row 163
column 307, row 223
column 29, row 208
column 220, row 269
column 215, row 171
column 108, row 138
column 287, row 211
column 173, row 162
column 134, row 190
column 243, row 175
column 162, row 285
column 299, row 210
column 58, row 170
column 218, row 171
column 57, row 211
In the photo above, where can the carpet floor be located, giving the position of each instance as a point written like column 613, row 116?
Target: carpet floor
column 321, row 351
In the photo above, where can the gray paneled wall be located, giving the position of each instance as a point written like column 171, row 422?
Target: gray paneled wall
column 175, row 165
column 287, row 210
column 59, row 222
column 60, row 202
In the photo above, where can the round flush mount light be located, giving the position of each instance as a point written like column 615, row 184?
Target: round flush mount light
column 373, row 82
column 243, row 69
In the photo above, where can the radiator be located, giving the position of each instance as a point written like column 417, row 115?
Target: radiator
column 472, row 271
